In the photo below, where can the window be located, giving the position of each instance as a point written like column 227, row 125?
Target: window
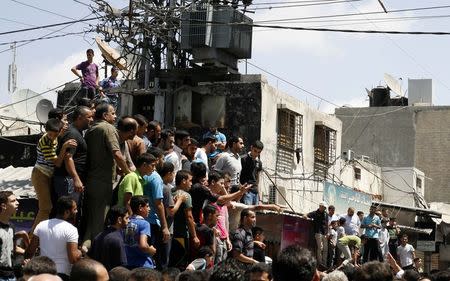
column 357, row 172
column 418, row 184
column 289, row 146
column 324, row 149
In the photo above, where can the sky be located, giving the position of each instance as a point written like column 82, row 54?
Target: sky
column 335, row 66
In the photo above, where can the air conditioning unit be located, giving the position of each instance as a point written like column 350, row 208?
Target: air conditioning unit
column 347, row 155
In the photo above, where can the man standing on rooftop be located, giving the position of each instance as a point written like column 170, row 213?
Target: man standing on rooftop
column 89, row 75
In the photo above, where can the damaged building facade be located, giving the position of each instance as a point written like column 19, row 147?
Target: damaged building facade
column 302, row 146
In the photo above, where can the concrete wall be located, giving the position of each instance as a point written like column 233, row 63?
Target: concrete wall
column 370, row 181
column 303, row 195
column 385, row 134
column 403, row 137
column 250, row 110
column 401, row 184
column 432, row 150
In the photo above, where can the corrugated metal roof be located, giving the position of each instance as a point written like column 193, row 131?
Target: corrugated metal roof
column 18, row 180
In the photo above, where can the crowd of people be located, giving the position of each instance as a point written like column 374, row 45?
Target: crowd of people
column 357, row 239
column 128, row 199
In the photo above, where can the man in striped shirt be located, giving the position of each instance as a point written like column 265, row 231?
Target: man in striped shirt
column 47, row 159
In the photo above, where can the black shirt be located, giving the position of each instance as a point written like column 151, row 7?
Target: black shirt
column 108, row 248
column 206, row 235
column 79, row 154
column 250, row 169
column 200, row 194
column 320, row 221
column 259, row 254
column 242, row 241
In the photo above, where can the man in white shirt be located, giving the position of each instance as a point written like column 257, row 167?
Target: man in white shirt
column 406, row 253
column 230, row 161
column 352, row 222
column 182, row 140
column 208, row 147
column 331, row 215
column 58, row 238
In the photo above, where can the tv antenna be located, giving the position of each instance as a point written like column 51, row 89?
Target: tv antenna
column 12, row 71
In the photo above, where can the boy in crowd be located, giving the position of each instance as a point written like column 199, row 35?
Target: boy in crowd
column 133, row 183
column 206, row 231
column 8, row 207
column 171, row 206
column 259, row 246
column 108, row 247
column 183, row 225
column 139, row 252
column 47, row 159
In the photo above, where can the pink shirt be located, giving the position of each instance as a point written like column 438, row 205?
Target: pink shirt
column 222, row 222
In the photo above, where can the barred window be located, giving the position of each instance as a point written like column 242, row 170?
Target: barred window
column 324, row 149
column 289, row 139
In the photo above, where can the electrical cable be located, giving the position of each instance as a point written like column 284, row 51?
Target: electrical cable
column 48, row 34
column 48, row 25
column 41, row 9
column 293, row 85
column 346, row 30
column 43, row 38
column 40, row 94
column 406, row 53
column 279, row 192
column 292, row 2
column 356, row 14
column 27, row 24
column 300, row 5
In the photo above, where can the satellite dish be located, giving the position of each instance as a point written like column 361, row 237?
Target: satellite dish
column 8, row 114
column 42, row 109
column 393, row 84
column 111, row 55
column 369, row 92
column 24, row 103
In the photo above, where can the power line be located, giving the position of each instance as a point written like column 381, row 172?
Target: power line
column 48, row 25
column 347, row 30
column 43, row 38
column 382, row 19
column 373, row 115
column 302, row 5
column 27, row 24
column 293, row 85
column 40, row 94
column 356, row 14
column 293, row 2
column 48, row 34
column 43, row 10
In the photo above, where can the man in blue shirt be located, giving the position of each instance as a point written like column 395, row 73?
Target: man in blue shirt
column 110, row 83
column 220, row 138
column 153, row 189
column 372, row 223
column 139, row 252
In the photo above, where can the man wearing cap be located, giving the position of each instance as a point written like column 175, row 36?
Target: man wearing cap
column 320, row 224
column 110, row 83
